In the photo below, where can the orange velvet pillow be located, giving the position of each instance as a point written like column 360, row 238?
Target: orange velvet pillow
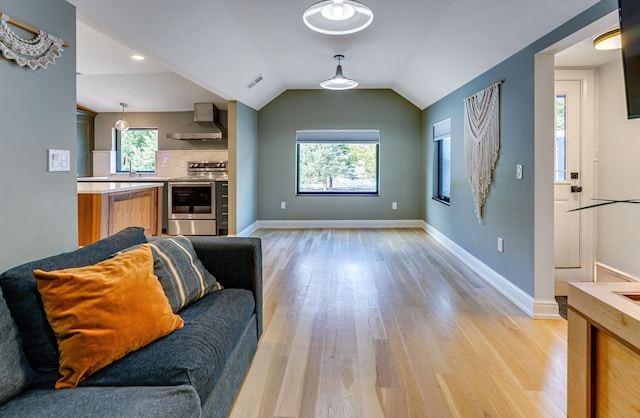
column 101, row 312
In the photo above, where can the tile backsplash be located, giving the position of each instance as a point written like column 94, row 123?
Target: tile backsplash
column 169, row 163
column 173, row 163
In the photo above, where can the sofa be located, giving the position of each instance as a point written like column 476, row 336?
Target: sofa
column 193, row 368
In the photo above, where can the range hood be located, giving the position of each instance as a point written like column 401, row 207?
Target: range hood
column 205, row 126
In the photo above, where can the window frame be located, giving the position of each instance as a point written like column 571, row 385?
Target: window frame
column 118, row 148
column 442, row 133
column 341, row 136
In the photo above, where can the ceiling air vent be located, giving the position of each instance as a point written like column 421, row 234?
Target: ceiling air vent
column 254, row 81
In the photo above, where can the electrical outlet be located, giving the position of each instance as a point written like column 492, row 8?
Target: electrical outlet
column 283, row 205
column 500, row 245
column 394, row 205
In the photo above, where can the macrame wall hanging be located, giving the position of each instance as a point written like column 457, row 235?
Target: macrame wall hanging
column 34, row 53
column 481, row 141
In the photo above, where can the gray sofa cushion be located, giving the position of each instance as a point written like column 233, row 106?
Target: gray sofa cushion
column 15, row 373
column 24, row 302
column 139, row 402
column 195, row 354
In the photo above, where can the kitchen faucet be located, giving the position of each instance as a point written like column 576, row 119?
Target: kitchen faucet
column 131, row 172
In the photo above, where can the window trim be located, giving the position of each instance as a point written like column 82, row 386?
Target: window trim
column 441, row 133
column 338, row 136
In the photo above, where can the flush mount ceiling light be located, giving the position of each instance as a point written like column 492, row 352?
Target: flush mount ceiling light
column 122, row 125
column 338, row 17
column 608, row 40
column 137, row 57
column 339, row 81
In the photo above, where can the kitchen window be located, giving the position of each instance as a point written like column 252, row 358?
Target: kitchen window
column 337, row 162
column 442, row 175
column 138, row 145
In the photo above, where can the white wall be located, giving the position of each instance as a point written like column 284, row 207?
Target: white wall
column 618, row 225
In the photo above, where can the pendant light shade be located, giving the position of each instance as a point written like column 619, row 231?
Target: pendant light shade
column 608, row 40
column 339, row 81
column 338, row 17
column 122, row 125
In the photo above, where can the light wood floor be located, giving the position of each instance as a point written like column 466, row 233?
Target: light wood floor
column 387, row 323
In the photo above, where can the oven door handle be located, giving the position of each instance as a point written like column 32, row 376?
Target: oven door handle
column 191, row 183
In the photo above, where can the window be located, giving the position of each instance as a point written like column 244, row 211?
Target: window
column 561, row 138
column 442, row 138
column 139, row 145
column 337, row 162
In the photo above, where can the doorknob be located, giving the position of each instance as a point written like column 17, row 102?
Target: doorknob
column 576, row 189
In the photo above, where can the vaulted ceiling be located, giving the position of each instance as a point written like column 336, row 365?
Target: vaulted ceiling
column 209, row 50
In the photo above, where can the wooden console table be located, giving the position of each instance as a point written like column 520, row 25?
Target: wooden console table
column 603, row 350
column 106, row 208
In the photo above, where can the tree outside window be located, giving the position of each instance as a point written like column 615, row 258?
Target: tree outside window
column 327, row 165
column 139, row 145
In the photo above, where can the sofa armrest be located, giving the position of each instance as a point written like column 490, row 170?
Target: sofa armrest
column 236, row 262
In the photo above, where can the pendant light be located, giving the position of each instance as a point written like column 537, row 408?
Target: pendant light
column 338, row 17
column 122, row 125
column 339, row 81
column 608, row 40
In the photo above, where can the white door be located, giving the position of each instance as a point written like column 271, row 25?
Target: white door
column 575, row 167
column 568, row 179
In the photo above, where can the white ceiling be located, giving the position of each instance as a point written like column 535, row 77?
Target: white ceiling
column 209, row 50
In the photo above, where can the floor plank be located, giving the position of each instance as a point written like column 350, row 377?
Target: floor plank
column 387, row 323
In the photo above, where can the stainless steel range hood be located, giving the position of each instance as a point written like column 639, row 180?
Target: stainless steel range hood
column 205, row 126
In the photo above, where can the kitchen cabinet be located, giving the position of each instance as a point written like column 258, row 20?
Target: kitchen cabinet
column 151, row 179
column 106, row 208
column 85, row 141
column 222, row 207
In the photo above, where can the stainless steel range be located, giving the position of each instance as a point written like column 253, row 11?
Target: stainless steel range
column 192, row 199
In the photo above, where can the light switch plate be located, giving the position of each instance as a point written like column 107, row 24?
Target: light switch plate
column 519, row 171
column 59, row 160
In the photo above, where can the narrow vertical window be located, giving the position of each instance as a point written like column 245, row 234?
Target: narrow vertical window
column 561, row 138
column 442, row 175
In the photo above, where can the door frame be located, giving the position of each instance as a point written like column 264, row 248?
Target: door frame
column 589, row 166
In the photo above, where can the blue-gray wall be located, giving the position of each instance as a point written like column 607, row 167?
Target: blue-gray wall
column 509, row 208
column 400, row 154
column 38, row 209
column 247, row 167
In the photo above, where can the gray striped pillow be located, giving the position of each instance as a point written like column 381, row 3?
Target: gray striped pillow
column 181, row 274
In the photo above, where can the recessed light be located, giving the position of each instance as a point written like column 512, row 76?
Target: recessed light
column 137, row 57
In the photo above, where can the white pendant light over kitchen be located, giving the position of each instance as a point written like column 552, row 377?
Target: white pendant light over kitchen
column 122, row 125
column 339, row 81
column 338, row 17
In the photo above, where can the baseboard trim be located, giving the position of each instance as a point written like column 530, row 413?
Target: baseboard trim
column 315, row 224
column 538, row 309
column 248, row 230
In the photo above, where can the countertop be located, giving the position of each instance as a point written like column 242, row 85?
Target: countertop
column 124, row 178
column 613, row 305
column 112, row 187
column 140, row 179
